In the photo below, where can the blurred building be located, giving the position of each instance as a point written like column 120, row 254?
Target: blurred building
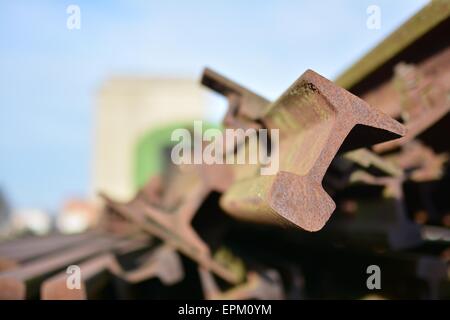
column 129, row 110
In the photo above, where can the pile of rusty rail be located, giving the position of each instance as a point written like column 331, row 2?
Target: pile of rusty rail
column 363, row 179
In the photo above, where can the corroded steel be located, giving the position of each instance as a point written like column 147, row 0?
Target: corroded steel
column 163, row 263
column 244, row 106
column 323, row 130
column 419, row 161
column 423, row 100
column 380, row 222
column 19, row 251
column 169, row 217
column 314, row 118
column 266, row 286
column 14, row 284
column 418, row 25
column 366, row 158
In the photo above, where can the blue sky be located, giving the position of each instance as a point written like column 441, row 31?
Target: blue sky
column 49, row 74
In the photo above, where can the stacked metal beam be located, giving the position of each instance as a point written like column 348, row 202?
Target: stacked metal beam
column 363, row 180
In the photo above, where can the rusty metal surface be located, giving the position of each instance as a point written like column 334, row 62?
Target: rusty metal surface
column 175, row 227
column 22, row 250
column 384, row 222
column 244, row 106
column 419, row 161
column 386, row 181
column 265, row 286
column 418, row 25
column 163, row 263
column 423, row 100
column 254, row 203
column 165, row 207
column 314, row 118
column 13, row 283
column 365, row 158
